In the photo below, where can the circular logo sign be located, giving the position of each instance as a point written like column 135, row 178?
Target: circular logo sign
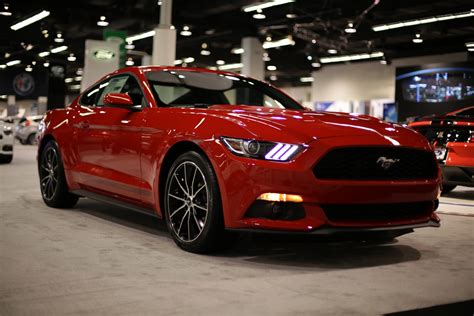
column 23, row 84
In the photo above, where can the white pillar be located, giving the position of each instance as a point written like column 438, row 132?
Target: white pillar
column 146, row 60
column 252, row 58
column 164, row 40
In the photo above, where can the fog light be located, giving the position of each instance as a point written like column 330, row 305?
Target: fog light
column 280, row 197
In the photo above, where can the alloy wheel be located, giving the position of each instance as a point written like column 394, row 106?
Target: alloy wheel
column 188, row 201
column 49, row 173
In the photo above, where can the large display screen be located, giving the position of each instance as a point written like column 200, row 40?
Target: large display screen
column 434, row 89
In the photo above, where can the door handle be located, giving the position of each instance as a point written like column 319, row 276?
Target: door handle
column 84, row 125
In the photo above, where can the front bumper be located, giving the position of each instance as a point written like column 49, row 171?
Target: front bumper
column 242, row 180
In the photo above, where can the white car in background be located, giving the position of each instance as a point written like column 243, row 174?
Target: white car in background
column 6, row 142
column 27, row 129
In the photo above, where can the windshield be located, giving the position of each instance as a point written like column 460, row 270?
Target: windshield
column 190, row 88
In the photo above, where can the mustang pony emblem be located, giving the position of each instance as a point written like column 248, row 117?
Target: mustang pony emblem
column 386, row 163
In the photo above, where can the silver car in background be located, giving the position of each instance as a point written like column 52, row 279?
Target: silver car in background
column 27, row 129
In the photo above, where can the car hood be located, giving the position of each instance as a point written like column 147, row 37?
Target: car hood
column 305, row 126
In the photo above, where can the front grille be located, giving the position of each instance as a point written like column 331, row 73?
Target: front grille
column 442, row 135
column 377, row 163
column 378, row 212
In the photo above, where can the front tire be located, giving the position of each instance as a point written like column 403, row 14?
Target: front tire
column 6, row 158
column 193, row 208
column 447, row 188
column 53, row 184
column 32, row 139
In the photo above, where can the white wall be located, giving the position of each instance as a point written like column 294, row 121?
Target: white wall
column 367, row 80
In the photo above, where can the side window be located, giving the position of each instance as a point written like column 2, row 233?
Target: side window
column 89, row 97
column 122, row 84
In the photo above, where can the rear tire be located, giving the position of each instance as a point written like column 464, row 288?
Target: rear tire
column 447, row 188
column 193, row 208
column 53, row 184
column 31, row 139
column 6, row 159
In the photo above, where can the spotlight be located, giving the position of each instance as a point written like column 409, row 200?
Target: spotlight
column 350, row 29
column 332, row 51
column 59, row 38
column 417, row 39
column 6, row 11
column 186, row 31
column 129, row 62
column 102, row 21
column 220, row 62
column 129, row 45
column 259, row 15
column 71, row 57
column 271, row 67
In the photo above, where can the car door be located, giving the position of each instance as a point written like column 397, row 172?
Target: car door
column 108, row 141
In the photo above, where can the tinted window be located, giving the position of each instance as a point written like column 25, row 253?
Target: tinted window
column 188, row 88
column 468, row 112
column 90, row 96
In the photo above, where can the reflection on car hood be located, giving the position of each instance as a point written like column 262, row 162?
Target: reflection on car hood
column 307, row 125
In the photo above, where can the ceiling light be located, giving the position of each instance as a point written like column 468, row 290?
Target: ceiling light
column 129, row 62
column 159, row 2
column 13, row 62
column 268, row 38
column 350, row 28
column 33, row 62
column 291, row 16
column 79, row 71
column 313, row 41
column 140, row 36
column 273, row 78
column 59, row 38
column 30, row 20
column 7, row 55
column 309, row 57
column 75, row 87
column 46, row 64
column 316, row 65
column 259, row 15
column 265, row 4
column 129, row 45
column 5, row 11
column 432, row 19
column 306, row 79
column 220, row 62
column 332, row 51
column 205, row 52
column 468, row 44
column 231, row 66
column 417, row 39
column 78, row 78
column 178, row 62
column 237, row 51
column 3, row 66
column 102, row 21
column 71, row 57
column 336, row 59
column 470, row 49
column 188, row 60
column 266, row 57
column 383, row 61
column 271, row 67
column 68, row 80
column 29, row 68
column 58, row 49
column 283, row 42
column 186, row 31
column 43, row 54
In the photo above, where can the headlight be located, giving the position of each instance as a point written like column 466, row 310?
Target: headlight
column 261, row 149
column 41, row 126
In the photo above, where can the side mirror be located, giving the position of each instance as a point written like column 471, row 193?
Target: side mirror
column 121, row 100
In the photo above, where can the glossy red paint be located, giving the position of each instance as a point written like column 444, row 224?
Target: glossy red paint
column 118, row 99
column 458, row 166
column 120, row 153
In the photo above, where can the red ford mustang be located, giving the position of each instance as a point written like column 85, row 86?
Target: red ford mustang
column 452, row 136
column 211, row 152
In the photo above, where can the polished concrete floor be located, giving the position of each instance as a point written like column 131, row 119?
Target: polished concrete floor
column 100, row 259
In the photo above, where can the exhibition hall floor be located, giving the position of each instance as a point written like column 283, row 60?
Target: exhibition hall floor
column 102, row 259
